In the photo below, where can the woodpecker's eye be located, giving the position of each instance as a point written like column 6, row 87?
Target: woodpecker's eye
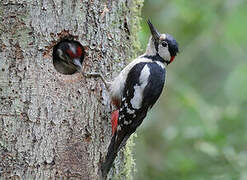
column 164, row 44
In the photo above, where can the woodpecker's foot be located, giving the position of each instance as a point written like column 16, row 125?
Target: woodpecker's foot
column 96, row 75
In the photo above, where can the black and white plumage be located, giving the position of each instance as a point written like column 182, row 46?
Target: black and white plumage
column 136, row 89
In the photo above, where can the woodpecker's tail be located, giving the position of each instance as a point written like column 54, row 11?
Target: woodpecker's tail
column 118, row 140
column 110, row 157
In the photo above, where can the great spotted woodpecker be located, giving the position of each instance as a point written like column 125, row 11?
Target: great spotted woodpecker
column 136, row 89
column 68, row 56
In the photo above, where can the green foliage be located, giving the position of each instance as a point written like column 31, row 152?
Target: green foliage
column 197, row 130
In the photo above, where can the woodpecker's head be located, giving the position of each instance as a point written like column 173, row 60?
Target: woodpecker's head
column 163, row 45
column 68, row 56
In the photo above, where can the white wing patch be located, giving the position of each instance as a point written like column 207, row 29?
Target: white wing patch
column 136, row 101
column 117, row 86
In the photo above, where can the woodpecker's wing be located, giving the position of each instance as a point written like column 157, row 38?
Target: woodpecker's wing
column 143, row 87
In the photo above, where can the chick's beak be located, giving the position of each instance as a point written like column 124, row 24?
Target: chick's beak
column 77, row 63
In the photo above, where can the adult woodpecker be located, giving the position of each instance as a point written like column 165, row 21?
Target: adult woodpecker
column 136, row 89
column 68, row 56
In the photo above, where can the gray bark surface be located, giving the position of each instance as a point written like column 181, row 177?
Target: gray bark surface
column 55, row 126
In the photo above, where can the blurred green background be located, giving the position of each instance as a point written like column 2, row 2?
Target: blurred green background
column 198, row 128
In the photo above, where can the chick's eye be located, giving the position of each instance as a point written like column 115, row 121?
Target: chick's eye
column 164, row 44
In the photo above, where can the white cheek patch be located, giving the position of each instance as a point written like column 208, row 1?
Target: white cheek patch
column 136, row 101
column 164, row 53
column 60, row 54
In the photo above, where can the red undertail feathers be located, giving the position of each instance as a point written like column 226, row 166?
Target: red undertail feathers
column 114, row 121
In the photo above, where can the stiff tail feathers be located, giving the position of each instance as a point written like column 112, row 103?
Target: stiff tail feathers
column 118, row 140
column 112, row 151
column 110, row 157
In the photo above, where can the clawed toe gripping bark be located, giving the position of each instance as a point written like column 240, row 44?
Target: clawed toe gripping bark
column 97, row 75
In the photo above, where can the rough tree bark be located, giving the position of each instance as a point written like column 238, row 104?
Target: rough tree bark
column 53, row 125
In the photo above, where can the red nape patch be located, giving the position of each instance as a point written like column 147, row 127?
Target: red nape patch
column 70, row 53
column 172, row 58
column 114, row 121
column 78, row 52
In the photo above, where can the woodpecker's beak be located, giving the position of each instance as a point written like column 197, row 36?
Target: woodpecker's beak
column 77, row 63
column 154, row 32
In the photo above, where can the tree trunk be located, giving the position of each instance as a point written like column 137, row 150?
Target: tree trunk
column 55, row 126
